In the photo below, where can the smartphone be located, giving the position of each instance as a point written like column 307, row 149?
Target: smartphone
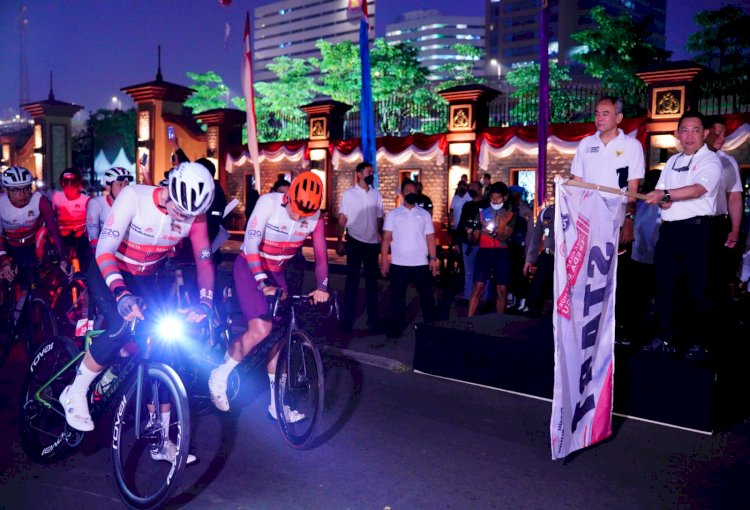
column 144, row 159
column 170, row 132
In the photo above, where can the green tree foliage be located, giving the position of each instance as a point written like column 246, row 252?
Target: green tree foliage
column 210, row 92
column 564, row 103
column 339, row 71
column 615, row 49
column 279, row 101
column 462, row 72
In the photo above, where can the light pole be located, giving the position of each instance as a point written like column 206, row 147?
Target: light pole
column 499, row 66
column 117, row 103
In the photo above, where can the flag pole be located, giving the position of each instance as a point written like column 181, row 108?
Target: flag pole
column 247, row 89
column 543, row 120
column 367, row 113
column 597, row 187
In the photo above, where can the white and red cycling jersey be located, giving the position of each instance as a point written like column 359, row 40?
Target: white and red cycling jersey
column 138, row 234
column 71, row 214
column 96, row 212
column 272, row 238
column 25, row 226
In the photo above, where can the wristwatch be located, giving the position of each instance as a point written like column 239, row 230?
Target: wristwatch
column 667, row 197
column 630, row 216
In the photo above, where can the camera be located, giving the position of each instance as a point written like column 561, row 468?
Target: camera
column 473, row 224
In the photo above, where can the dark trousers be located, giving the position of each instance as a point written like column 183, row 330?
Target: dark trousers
column 358, row 254
column 540, row 287
column 401, row 277
column 681, row 258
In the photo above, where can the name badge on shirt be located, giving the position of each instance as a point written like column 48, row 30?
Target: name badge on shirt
column 594, row 149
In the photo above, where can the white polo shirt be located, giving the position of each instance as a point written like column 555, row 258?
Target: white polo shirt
column 362, row 210
column 730, row 181
column 613, row 164
column 704, row 169
column 457, row 204
column 410, row 228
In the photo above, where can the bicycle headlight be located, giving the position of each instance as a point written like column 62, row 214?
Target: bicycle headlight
column 170, row 328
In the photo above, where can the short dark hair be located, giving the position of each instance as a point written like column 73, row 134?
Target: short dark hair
column 711, row 120
column 362, row 166
column 488, row 176
column 616, row 102
column 278, row 184
column 499, row 187
column 208, row 165
column 693, row 114
column 406, row 182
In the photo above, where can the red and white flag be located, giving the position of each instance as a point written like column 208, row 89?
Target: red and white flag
column 247, row 89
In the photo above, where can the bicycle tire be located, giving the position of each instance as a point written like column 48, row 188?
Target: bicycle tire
column 40, row 325
column 44, row 431
column 300, row 386
column 145, row 483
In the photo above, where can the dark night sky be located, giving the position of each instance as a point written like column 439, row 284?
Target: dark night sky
column 95, row 47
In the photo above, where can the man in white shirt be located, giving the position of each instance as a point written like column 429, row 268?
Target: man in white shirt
column 686, row 193
column 361, row 217
column 409, row 234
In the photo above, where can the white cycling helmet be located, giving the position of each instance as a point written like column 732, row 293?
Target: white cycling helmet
column 191, row 188
column 116, row 173
column 17, row 177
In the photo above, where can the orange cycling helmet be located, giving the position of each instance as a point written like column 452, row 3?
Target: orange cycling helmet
column 305, row 194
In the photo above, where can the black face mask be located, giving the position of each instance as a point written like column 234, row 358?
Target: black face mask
column 411, row 198
column 473, row 193
column 369, row 180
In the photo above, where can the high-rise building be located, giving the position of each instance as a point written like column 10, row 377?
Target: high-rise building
column 435, row 35
column 292, row 27
column 512, row 28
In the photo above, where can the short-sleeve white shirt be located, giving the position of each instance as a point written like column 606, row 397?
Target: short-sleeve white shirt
column 613, row 164
column 730, row 181
column 362, row 210
column 409, row 228
column 457, row 204
column 704, row 169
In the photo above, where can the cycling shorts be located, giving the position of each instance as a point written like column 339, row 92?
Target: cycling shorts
column 252, row 301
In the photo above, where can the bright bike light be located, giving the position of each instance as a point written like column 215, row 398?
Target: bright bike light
column 170, row 328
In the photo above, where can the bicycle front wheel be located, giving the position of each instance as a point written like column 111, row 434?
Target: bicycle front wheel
column 299, row 387
column 149, row 462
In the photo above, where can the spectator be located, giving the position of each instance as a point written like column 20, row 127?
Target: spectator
column 468, row 244
column 423, row 200
column 280, row 186
column 497, row 223
column 540, row 253
column 460, row 198
column 410, row 236
column 686, row 193
column 485, row 182
column 518, row 283
column 361, row 217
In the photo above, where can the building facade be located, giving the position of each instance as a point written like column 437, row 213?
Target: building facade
column 434, row 35
column 292, row 27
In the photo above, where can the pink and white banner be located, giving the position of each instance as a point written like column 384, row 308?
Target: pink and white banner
column 586, row 236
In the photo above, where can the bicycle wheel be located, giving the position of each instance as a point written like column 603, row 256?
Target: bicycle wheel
column 299, row 387
column 45, row 436
column 145, row 483
column 40, row 326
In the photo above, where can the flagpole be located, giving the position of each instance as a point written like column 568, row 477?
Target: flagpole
column 367, row 113
column 247, row 89
column 543, row 120
column 597, row 187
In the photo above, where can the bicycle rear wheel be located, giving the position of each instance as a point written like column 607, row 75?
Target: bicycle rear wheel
column 40, row 327
column 143, row 482
column 299, row 387
column 45, row 436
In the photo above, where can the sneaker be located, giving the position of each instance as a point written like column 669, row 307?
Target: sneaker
column 168, row 452
column 76, row 410
column 291, row 415
column 217, row 388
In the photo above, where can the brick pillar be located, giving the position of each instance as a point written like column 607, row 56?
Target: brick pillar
column 224, row 130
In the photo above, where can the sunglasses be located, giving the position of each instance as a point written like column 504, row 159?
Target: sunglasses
column 123, row 178
column 684, row 168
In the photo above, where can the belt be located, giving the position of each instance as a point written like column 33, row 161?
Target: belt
column 695, row 220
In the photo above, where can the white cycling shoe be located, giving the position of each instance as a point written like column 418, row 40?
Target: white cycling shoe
column 217, row 388
column 76, row 410
column 168, row 452
column 290, row 415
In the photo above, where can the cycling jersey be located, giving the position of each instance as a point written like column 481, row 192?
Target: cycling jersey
column 272, row 238
column 21, row 227
column 71, row 214
column 96, row 212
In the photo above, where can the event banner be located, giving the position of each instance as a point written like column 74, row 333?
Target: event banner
column 586, row 234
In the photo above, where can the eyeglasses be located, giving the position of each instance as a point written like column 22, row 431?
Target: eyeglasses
column 682, row 168
column 19, row 191
column 123, row 178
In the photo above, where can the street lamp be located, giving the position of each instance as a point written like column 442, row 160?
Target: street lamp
column 495, row 63
column 117, row 103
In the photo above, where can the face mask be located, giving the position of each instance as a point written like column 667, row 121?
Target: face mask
column 369, row 180
column 411, row 198
column 473, row 193
column 496, row 207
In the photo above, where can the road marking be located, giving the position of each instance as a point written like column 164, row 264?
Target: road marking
column 393, row 365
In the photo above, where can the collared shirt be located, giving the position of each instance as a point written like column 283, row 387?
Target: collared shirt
column 613, row 164
column 730, row 181
column 704, row 169
column 362, row 210
column 409, row 228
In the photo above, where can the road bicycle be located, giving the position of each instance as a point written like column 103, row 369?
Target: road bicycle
column 135, row 387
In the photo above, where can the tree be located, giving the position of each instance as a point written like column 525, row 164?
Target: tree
column 339, row 71
column 462, row 72
column 210, row 92
column 564, row 103
column 723, row 41
column 615, row 49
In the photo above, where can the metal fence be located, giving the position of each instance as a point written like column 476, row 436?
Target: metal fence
column 402, row 118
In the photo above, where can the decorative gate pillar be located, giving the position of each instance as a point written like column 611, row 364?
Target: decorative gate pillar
column 224, row 130
column 52, row 140
column 326, row 122
column 468, row 115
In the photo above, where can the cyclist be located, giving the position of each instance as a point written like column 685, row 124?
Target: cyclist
column 70, row 209
column 144, row 224
column 115, row 179
column 278, row 225
column 25, row 218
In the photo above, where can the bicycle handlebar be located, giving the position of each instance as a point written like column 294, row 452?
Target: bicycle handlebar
column 295, row 299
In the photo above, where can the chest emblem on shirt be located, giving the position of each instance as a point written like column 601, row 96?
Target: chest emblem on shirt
column 618, row 152
column 176, row 228
column 594, row 149
column 303, row 225
column 31, row 213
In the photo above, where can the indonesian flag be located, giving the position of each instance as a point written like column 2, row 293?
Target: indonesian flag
column 247, row 88
column 360, row 5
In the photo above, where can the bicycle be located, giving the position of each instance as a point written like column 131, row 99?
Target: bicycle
column 143, row 483
column 25, row 315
